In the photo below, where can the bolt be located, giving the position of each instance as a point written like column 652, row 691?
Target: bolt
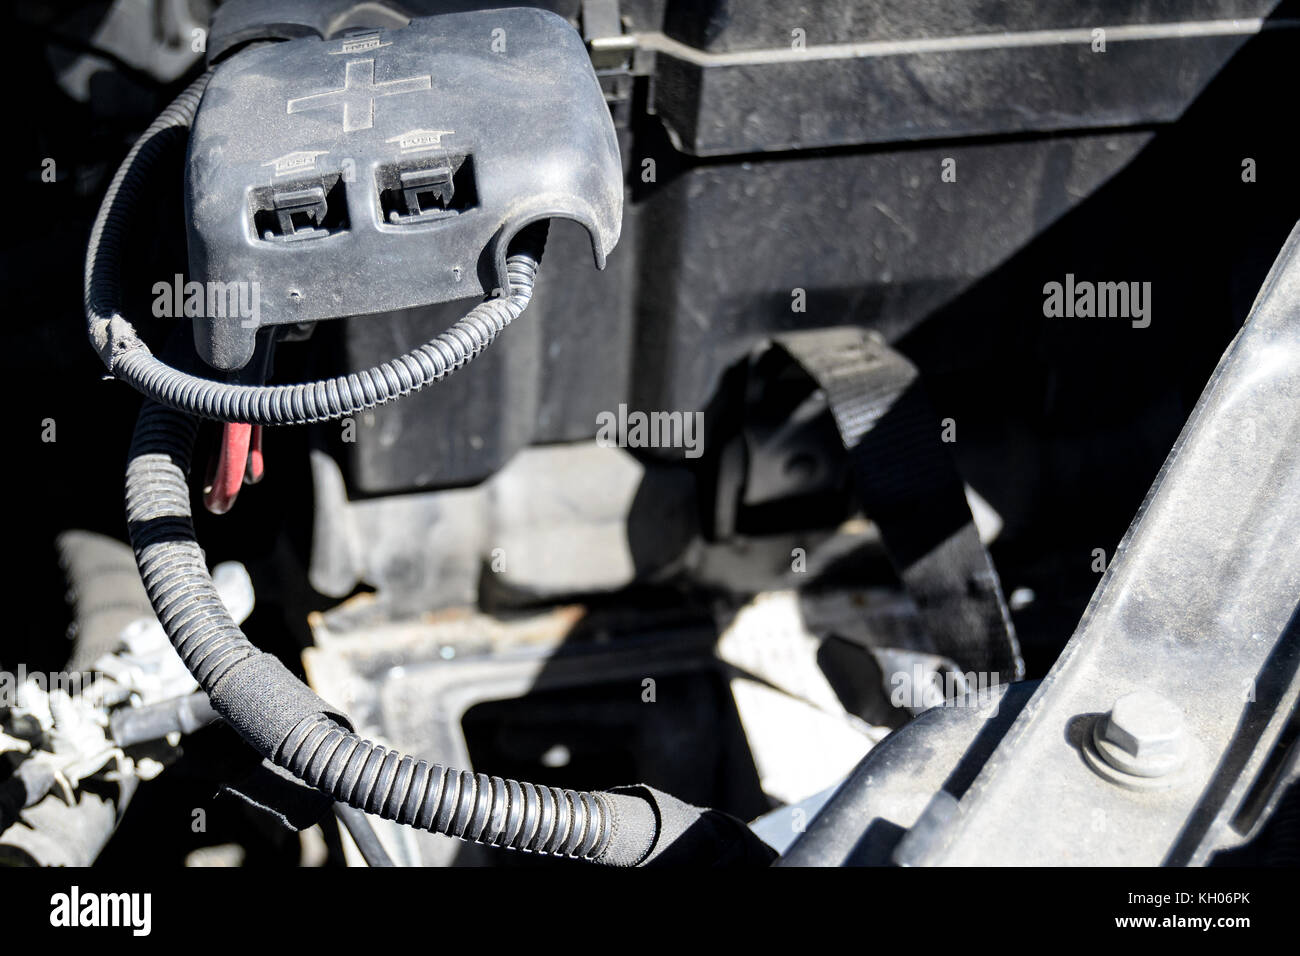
column 1143, row 735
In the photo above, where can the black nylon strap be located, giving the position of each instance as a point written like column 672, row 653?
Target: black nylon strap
column 909, row 486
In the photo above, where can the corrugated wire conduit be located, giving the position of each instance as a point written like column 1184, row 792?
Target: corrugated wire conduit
column 253, row 691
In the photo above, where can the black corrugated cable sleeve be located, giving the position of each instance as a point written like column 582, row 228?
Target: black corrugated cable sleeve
column 110, row 333
column 290, row 725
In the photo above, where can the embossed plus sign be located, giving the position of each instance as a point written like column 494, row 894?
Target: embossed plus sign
column 358, row 94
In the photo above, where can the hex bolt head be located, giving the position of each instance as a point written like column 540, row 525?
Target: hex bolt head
column 1144, row 734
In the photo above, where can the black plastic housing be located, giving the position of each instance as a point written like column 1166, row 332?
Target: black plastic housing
column 389, row 169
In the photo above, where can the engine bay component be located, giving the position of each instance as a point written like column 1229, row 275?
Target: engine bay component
column 246, row 228
column 283, row 720
column 79, row 747
column 127, row 356
column 388, row 169
column 763, row 541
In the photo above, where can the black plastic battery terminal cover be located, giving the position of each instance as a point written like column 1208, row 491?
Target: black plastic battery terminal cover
column 389, row 169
